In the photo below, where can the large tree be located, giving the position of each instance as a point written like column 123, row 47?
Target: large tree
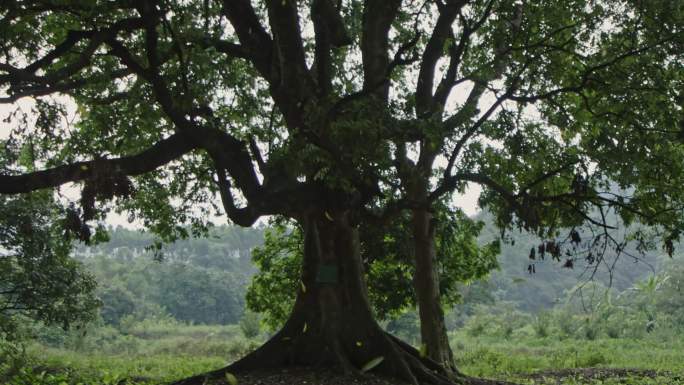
column 341, row 113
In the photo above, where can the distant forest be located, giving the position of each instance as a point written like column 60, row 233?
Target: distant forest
column 204, row 280
column 197, row 280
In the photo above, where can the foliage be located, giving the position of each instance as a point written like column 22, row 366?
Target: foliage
column 198, row 280
column 152, row 352
column 388, row 254
column 595, row 312
column 38, row 278
column 250, row 324
column 224, row 247
column 405, row 326
column 273, row 288
column 12, row 356
column 388, row 260
column 513, row 359
column 561, row 101
column 549, row 285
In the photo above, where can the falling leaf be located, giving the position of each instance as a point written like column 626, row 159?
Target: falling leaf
column 231, row 379
column 359, row 344
column 305, row 327
column 423, row 351
column 303, row 287
column 372, row 364
column 330, row 218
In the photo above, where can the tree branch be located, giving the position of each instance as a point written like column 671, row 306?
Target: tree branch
column 156, row 156
column 472, row 130
column 230, row 152
column 226, row 47
column 330, row 32
column 294, row 83
column 244, row 217
column 586, row 76
column 16, row 77
column 433, row 52
column 252, row 35
column 378, row 16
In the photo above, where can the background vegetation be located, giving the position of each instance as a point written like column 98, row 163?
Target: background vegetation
column 183, row 313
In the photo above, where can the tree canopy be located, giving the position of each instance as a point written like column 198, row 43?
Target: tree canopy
column 38, row 279
column 541, row 104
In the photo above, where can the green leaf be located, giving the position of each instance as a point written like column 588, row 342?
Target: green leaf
column 423, row 350
column 231, row 379
column 372, row 364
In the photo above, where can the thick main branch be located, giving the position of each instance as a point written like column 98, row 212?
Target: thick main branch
column 156, row 156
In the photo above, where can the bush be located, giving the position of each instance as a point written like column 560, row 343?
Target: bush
column 591, row 331
column 592, row 359
column 250, row 324
column 566, row 323
column 542, row 323
column 12, row 358
column 476, row 326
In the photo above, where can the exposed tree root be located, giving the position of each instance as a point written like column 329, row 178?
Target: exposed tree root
column 401, row 361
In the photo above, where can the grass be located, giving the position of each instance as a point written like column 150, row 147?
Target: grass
column 156, row 368
column 521, row 359
column 153, row 354
column 143, row 353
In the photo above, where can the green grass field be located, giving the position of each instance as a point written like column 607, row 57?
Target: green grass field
column 154, row 354
column 527, row 360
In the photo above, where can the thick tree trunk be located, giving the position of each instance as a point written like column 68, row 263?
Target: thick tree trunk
column 426, row 283
column 331, row 324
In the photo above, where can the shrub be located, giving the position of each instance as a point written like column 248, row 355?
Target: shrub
column 592, row 359
column 250, row 324
column 12, row 358
column 541, row 324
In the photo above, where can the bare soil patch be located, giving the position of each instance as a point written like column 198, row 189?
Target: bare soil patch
column 598, row 374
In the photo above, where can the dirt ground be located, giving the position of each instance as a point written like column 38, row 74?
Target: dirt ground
column 597, row 374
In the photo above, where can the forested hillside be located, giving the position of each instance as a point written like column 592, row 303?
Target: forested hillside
column 551, row 280
column 203, row 280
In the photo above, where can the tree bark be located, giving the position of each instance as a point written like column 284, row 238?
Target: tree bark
column 331, row 324
column 426, row 284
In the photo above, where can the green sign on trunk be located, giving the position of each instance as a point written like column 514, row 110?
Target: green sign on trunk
column 327, row 274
